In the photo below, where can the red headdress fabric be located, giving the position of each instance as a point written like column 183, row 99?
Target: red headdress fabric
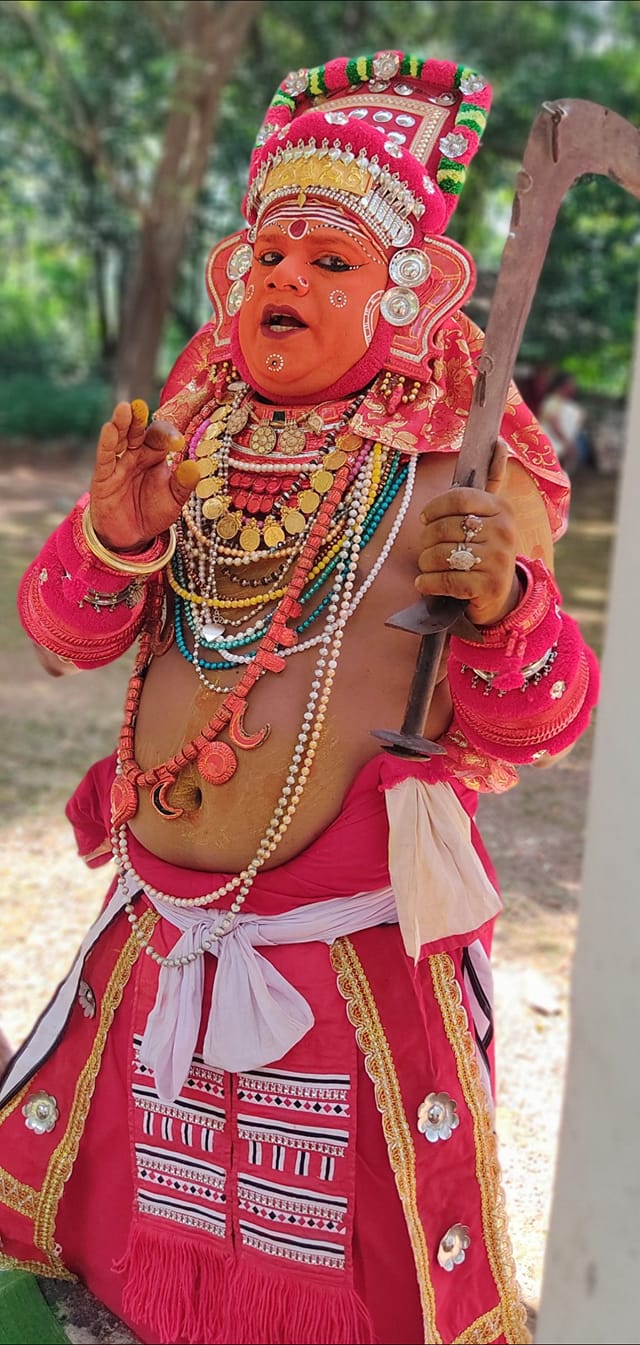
column 390, row 136
column 387, row 138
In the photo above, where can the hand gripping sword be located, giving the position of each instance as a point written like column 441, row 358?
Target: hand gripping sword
column 567, row 139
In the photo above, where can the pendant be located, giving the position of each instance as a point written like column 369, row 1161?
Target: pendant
column 124, row 800
column 217, row 762
column 207, row 467
column 212, row 432
column 215, row 506
column 161, row 803
column 293, row 521
column 235, row 729
column 320, row 481
column 229, row 525
column 210, row 632
column 308, row 501
column 272, row 533
column 292, row 440
column 348, row 442
column 209, row 485
column 250, row 538
column 263, row 439
column 204, row 448
column 238, row 419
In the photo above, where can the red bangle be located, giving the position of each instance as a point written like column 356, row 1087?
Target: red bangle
column 542, row 715
column 77, row 608
column 508, row 654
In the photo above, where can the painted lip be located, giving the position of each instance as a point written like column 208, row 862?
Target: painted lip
column 280, row 310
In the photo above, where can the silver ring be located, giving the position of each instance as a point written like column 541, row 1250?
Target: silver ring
column 462, row 558
column 471, row 526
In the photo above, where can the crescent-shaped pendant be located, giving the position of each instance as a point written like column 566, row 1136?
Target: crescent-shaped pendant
column 161, row 803
column 239, row 738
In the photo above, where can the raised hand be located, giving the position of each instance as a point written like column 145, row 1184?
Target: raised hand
column 469, row 546
column 135, row 493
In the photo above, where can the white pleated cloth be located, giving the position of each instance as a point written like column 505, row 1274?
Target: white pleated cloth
column 255, row 1015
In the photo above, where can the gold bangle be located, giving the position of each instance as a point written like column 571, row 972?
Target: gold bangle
column 118, row 563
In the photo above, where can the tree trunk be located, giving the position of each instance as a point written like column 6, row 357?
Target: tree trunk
column 211, row 38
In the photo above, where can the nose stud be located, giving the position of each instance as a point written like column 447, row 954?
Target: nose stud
column 303, row 282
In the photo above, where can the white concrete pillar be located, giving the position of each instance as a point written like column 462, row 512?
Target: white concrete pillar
column 591, row 1281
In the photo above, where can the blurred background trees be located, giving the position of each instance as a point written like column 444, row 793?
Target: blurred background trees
column 125, row 131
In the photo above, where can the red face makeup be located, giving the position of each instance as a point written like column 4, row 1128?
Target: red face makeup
column 311, row 304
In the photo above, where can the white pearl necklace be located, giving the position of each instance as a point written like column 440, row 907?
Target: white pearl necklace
column 303, row 755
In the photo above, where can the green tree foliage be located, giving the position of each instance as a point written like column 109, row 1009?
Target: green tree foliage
column 87, row 93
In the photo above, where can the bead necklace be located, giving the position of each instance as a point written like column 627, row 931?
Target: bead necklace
column 211, row 446
column 216, row 761
column 233, row 659
column 119, row 837
column 203, row 586
column 225, row 643
column 303, row 756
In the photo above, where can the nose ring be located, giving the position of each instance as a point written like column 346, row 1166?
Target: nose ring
column 303, row 282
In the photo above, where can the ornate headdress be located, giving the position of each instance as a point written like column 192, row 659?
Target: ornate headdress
column 389, row 136
column 386, row 139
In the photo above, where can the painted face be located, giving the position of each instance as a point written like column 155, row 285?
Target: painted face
column 312, row 303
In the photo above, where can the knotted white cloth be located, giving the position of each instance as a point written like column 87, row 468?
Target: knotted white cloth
column 256, row 1015
column 441, row 887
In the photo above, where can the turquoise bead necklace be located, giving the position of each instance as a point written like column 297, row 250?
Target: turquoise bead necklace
column 395, row 480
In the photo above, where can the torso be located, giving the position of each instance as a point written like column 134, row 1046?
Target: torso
column 221, row 826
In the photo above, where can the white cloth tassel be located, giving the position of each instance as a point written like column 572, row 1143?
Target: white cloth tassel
column 440, row 885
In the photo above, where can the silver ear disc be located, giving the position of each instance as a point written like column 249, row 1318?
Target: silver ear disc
column 400, row 306
column 409, row 267
column 239, row 262
column 235, row 297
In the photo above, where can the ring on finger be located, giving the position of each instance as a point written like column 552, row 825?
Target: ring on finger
column 471, row 526
column 462, row 558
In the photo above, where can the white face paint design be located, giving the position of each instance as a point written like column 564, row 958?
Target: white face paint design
column 370, row 316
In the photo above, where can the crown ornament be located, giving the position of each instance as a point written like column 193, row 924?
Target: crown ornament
column 388, row 136
column 371, row 190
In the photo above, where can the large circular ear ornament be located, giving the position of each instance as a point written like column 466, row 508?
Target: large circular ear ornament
column 240, row 262
column 410, row 267
column 235, row 297
column 399, row 306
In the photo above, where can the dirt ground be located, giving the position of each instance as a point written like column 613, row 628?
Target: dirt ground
column 51, row 731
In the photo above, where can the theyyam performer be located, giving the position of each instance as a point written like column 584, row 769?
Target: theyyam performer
column 260, row 1107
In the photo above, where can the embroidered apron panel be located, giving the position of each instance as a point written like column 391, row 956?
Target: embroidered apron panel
column 262, row 1163
column 295, row 1129
column 178, row 1177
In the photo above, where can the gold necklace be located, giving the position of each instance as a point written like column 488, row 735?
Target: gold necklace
column 295, row 509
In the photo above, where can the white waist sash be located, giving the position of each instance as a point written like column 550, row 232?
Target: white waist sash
column 441, row 891
column 256, row 1015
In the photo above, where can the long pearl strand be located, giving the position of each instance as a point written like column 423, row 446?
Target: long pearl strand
column 303, row 755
